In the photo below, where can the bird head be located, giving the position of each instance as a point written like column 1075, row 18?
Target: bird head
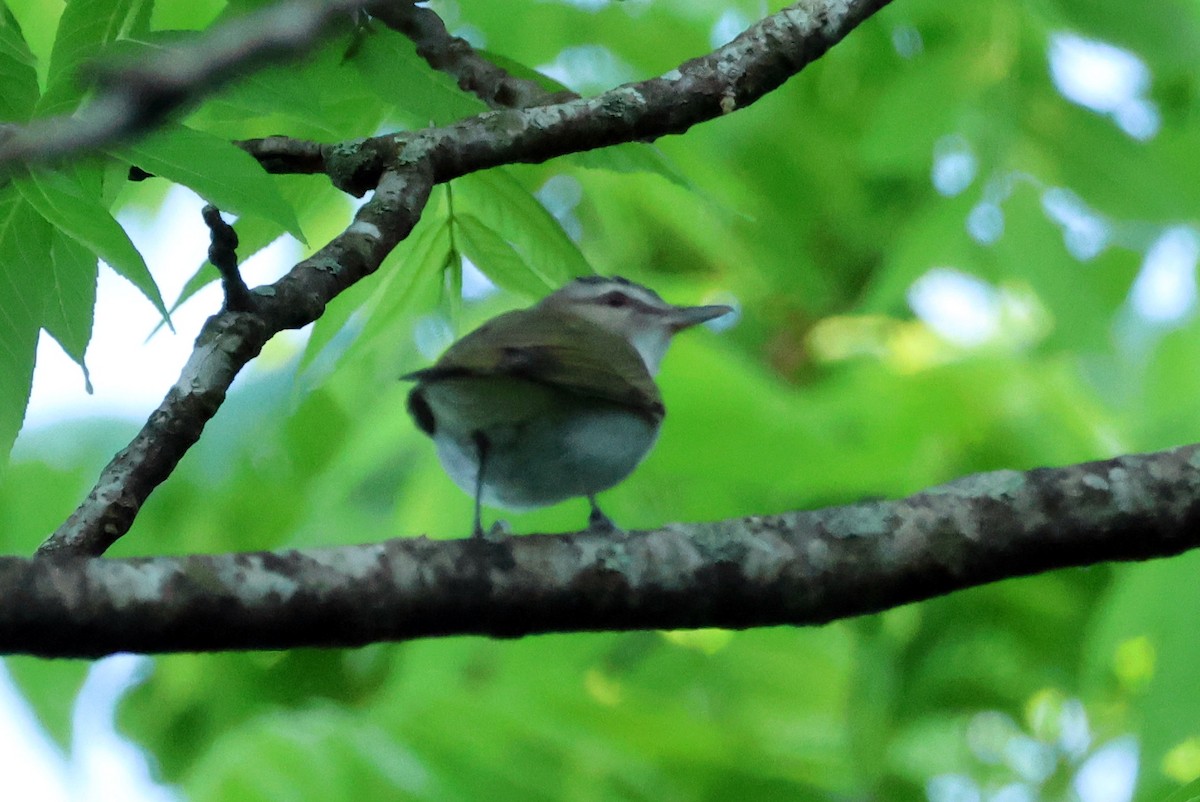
column 632, row 311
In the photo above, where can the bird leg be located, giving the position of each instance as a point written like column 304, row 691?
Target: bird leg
column 481, row 446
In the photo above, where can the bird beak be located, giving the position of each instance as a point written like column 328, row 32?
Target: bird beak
column 683, row 317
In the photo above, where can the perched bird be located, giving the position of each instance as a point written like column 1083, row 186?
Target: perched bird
column 544, row 404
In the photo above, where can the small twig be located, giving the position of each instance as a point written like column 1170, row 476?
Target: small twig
column 222, row 252
column 227, row 342
column 455, row 56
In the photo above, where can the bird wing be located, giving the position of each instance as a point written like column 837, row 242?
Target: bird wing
column 555, row 349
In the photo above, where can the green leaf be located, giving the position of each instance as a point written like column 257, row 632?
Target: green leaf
column 324, row 753
column 390, row 67
column 498, row 260
column 1188, row 793
column 193, row 15
column 18, row 75
column 516, row 68
column 633, row 157
column 1168, row 38
column 71, row 299
column 1082, row 297
column 1150, row 607
column 500, row 203
column 84, row 28
column 936, row 235
column 63, row 202
column 24, row 240
column 409, row 283
column 320, row 99
column 899, row 142
column 389, row 301
column 1138, row 182
column 287, row 95
column 221, row 173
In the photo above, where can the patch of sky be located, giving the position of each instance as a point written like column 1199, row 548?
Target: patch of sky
column 985, row 222
column 731, row 22
column 1032, row 760
column 988, row 733
column 953, row 788
column 561, row 195
column 588, row 68
column 475, row 285
column 1085, row 233
column 102, row 766
column 1110, row 773
column 1074, row 731
column 129, row 372
column 1013, row 792
column 473, row 36
column 1164, row 291
column 1106, row 79
column 433, row 333
column 907, row 41
column 452, row 17
column 960, row 308
column 954, row 165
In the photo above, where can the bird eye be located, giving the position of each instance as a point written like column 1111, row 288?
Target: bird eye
column 615, row 300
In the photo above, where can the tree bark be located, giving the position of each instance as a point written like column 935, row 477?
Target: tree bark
column 798, row 568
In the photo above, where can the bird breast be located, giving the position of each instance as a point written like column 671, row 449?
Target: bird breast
column 544, row 445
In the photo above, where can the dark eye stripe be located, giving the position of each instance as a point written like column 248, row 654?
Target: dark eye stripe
column 631, row 298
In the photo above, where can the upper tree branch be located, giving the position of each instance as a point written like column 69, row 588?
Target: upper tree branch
column 731, row 77
column 138, row 97
column 796, row 568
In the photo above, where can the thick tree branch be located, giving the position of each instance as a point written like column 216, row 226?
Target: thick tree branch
column 139, row 97
column 283, row 154
column 731, row 77
column 796, row 568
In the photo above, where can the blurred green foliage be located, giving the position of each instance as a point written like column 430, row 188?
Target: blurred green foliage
column 934, row 137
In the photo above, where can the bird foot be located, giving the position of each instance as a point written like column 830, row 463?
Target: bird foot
column 496, row 533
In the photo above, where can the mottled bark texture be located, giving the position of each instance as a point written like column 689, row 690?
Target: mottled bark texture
column 795, row 568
